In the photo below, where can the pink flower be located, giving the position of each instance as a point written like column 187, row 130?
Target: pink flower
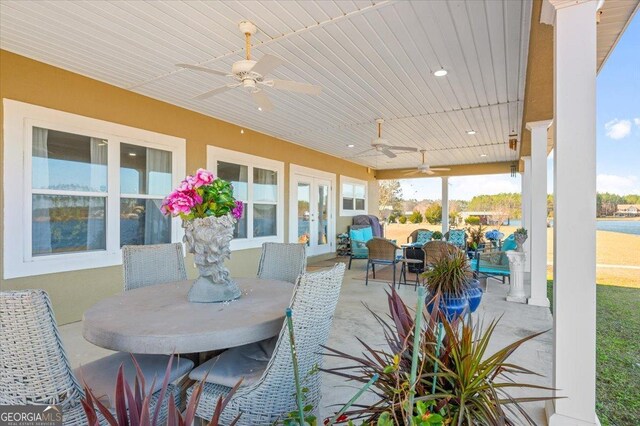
column 179, row 202
column 237, row 210
column 202, row 177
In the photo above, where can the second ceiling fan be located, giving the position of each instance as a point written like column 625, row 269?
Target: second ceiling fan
column 425, row 168
column 250, row 75
column 382, row 145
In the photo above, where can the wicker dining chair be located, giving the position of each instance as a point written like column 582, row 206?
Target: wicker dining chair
column 152, row 264
column 272, row 394
column 434, row 251
column 35, row 370
column 382, row 252
column 282, row 261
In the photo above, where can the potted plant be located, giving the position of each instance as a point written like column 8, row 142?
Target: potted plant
column 437, row 235
column 450, row 286
column 209, row 212
column 520, row 236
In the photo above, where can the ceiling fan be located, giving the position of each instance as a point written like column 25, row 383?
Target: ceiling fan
column 382, row 145
column 250, row 75
column 425, row 168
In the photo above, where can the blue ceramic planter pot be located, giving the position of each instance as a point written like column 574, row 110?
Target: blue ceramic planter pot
column 474, row 294
column 453, row 307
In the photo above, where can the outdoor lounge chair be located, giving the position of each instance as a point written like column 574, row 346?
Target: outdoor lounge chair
column 494, row 264
column 419, row 237
column 34, row 368
column 359, row 236
column 152, row 264
column 268, row 390
column 282, row 261
column 457, row 237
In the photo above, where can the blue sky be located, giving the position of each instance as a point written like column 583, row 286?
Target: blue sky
column 617, row 127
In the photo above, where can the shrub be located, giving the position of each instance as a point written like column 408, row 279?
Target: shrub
column 402, row 219
column 472, row 220
column 416, row 217
column 433, row 214
column 437, row 235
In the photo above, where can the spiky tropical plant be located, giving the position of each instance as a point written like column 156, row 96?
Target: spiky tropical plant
column 449, row 276
column 472, row 386
column 132, row 406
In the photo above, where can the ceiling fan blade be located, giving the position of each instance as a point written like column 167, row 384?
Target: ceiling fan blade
column 429, row 172
column 404, row 148
column 294, row 86
column 388, row 153
column 213, row 92
column 266, row 64
column 361, row 153
column 440, row 169
column 197, row 68
column 262, row 100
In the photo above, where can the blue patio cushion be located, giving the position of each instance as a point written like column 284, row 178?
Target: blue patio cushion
column 488, row 270
column 509, row 243
column 359, row 238
column 424, row 237
column 456, row 237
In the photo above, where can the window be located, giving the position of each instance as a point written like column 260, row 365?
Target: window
column 353, row 196
column 258, row 183
column 80, row 189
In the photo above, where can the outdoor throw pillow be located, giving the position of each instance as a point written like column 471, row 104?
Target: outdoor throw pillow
column 456, row 237
column 424, row 237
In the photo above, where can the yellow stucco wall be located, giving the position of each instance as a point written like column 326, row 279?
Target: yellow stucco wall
column 26, row 80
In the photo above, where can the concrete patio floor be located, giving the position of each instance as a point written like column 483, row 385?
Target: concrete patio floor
column 352, row 319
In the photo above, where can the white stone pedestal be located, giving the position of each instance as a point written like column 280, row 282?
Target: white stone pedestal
column 517, row 261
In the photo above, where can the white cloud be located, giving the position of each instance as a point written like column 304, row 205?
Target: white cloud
column 621, row 185
column 618, row 129
column 637, row 121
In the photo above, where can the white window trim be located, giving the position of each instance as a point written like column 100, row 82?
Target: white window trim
column 215, row 154
column 350, row 180
column 19, row 118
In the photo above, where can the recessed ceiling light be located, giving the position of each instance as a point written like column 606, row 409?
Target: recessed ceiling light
column 259, row 108
column 471, row 132
column 440, row 73
column 483, row 155
column 350, row 145
column 132, row 154
column 242, row 131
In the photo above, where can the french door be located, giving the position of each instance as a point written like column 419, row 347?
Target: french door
column 311, row 213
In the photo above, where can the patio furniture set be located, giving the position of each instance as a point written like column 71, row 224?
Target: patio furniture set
column 153, row 319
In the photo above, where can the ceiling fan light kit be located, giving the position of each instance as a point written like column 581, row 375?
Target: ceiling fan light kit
column 250, row 75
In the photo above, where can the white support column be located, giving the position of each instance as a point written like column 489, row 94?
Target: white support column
column 574, row 370
column 445, row 205
column 526, row 209
column 538, row 212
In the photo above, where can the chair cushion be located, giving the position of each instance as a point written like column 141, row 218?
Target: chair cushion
column 100, row 375
column 246, row 362
column 367, row 234
column 456, row 237
column 423, row 237
column 509, row 243
column 356, row 235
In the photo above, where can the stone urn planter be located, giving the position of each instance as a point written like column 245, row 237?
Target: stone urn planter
column 208, row 239
column 520, row 239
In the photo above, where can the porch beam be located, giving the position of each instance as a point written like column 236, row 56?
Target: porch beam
column 445, row 205
column 574, row 259
column 526, row 208
column 502, row 167
column 538, row 212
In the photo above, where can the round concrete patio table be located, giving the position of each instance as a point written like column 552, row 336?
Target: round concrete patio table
column 160, row 320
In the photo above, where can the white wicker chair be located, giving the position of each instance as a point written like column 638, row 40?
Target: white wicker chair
column 34, row 368
column 282, row 261
column 273, row 395
column 152, row 264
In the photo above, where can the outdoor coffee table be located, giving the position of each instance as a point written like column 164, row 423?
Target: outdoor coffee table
column 159, row 319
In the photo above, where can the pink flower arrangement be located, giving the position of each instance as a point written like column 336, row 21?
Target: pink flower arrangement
column 202, row 195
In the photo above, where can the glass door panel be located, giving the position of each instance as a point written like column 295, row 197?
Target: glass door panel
column 323, row 213
column 304, row 213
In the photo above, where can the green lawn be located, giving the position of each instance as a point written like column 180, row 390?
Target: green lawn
column 618, row 354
